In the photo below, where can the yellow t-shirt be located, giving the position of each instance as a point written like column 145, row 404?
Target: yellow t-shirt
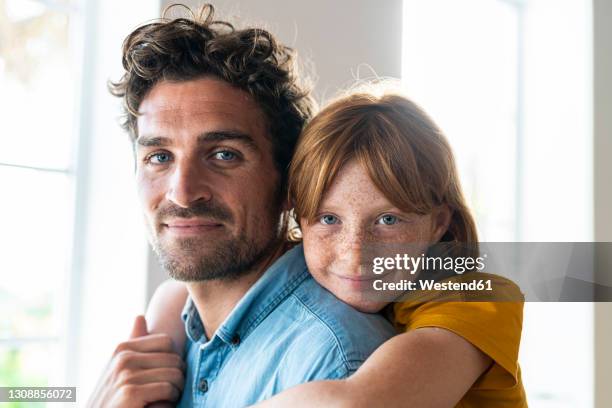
column 494, row 327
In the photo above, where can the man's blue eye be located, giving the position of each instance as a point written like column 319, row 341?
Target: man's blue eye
column 387, row 219
column 225, row 155
column 159, row 158
column 329, row 219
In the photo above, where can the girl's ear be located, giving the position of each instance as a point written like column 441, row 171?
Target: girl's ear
column 294, row 232
column 440, row 220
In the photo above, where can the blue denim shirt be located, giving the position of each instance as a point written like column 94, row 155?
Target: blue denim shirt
column 286, row 330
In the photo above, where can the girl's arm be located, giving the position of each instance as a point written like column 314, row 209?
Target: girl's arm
column 164, row 312
column 426, row 367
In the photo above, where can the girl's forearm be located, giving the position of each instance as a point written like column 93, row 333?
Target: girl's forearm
column 330, row 393
column 427, row 367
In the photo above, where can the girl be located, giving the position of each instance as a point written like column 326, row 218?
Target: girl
column 376, row 169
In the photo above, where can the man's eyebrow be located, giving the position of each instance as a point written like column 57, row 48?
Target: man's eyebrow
column 223, row 135
column 208, row 137
column 153, row 141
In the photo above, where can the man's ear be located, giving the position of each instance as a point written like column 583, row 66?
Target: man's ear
column 440, row 220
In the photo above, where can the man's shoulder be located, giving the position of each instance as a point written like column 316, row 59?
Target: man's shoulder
column 352, row 334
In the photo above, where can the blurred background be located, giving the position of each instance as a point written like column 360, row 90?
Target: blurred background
column 522, row 89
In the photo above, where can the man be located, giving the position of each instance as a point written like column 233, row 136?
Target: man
column 214, row 114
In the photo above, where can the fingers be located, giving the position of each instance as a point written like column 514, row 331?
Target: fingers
column 157, row 375
column 142, row 378
column 139, row 328
column 128, row 360
column 142, row 370
column 160, row 342
column 162, row 391
column 148, row 393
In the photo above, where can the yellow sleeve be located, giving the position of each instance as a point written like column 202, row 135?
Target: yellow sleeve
column 494, row 327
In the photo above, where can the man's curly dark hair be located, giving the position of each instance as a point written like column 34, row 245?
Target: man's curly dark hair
column 250, row 59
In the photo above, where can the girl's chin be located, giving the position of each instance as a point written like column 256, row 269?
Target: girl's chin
column 356, row 293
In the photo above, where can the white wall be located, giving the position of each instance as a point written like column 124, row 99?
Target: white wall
column 338, row 36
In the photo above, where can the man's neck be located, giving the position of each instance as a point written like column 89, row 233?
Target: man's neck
column 215, row 299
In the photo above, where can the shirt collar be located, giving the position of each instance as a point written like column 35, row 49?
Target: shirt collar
column 278, row 282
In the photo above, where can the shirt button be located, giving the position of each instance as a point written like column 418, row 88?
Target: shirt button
column 236, row 340
column 203, row 385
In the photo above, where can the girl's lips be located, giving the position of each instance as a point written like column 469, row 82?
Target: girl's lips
column 357, row 278
column 361, row 278
column 361, row 283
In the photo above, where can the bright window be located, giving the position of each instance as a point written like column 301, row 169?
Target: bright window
column 509, row 83
column 38, row 89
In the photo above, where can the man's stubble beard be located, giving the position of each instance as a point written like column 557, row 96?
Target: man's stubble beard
column 229, row 257
column 228, row 260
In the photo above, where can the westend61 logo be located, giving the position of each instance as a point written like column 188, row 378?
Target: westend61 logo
column 518, row 271
column 412, row 264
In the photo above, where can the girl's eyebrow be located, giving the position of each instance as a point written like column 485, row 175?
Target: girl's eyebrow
column 341, row 206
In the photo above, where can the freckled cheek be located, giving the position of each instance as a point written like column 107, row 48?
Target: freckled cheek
column 403, row 233
column 414, row 233
column 321, row 251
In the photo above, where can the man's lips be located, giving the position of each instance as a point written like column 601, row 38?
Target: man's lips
column 191, row 225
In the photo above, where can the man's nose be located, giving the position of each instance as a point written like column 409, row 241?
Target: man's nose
column 188, row 185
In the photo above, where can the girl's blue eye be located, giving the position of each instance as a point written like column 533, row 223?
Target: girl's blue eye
column 225, row 155
column 387, row 219
column 329, row 219
column 160, row 158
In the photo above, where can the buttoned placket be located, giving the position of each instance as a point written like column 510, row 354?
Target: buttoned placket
column 211, row 356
